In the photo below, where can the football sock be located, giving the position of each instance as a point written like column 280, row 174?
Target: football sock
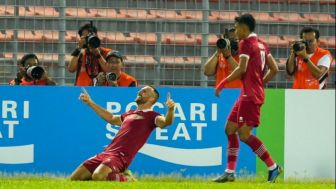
column 232, row 152
column 259, row 148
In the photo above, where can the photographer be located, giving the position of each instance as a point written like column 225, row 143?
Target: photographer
column 88, row 59
column 30, row 73
column 308, row 63
column 115, row 77
column 224, row 60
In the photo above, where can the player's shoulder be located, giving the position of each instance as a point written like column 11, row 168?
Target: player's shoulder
column 150, row 114
column 245, row 43
column 154, row 113
column 262, row 41
column 262, row 44
column 129, row 112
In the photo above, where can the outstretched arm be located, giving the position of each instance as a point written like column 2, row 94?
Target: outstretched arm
column 107, row 116
column 236, row 74
column 164, row 121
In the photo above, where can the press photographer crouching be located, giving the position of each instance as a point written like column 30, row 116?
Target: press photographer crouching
column 89, row 58
column 115, row 76
column 225, row 59
column 308, row 63
column 30, row 73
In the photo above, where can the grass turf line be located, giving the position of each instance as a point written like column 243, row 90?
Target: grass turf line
column 62, row 183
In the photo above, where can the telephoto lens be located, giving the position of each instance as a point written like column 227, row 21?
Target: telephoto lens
column 35, row 72
column 223, row 43
column 93, row 41
column 111, row 76
column 300, row 45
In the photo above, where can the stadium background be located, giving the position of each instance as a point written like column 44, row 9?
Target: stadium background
column 165, row 41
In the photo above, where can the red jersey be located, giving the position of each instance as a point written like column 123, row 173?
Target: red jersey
column 256, row 52
column 136, row 127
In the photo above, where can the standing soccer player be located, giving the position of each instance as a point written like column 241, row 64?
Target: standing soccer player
column 135, row 128
column 245, row 115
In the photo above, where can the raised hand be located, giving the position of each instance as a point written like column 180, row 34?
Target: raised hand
column 84, row 96
column 169, row 102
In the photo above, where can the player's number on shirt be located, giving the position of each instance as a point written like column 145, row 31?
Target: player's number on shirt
column 263, row 59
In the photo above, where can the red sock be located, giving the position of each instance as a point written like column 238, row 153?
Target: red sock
column 117, row 177
column 259, row 148
column 232, row 151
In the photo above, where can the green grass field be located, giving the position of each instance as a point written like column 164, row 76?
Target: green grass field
column 40, row 182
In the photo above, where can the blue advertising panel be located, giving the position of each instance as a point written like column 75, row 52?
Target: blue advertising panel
column 48, row 129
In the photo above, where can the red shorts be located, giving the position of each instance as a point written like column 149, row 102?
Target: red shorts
column 245, row 112
column 114, row 161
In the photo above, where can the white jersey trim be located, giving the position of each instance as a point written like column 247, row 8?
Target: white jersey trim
column 244, row 55
column 325, row 61
column 252, row 35
column 155, row 120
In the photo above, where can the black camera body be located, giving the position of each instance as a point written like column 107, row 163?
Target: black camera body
column 300, row 45
column 92, row 40
column 35, row 72
column 111, row 76
column 225, row 43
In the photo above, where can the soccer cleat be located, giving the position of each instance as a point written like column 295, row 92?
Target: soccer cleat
column 273, row 174
column 129, row 175
column 226, row 177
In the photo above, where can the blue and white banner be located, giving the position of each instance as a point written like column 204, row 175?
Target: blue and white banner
column 47, row 129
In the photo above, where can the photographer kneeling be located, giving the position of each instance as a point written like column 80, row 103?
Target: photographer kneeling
column 308, row 63
column 30, row 73
column 88, row 59
column 115, row 77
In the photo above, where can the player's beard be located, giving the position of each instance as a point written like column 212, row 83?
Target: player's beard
column 139, row 100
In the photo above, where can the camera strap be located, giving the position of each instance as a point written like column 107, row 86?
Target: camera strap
column 91, row 65
column 80, row 62
column 323, row 79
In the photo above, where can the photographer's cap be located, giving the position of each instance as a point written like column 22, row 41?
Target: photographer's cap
column 116, row 54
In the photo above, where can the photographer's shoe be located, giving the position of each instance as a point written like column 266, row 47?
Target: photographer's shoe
column 226, row 177
column 273, row 174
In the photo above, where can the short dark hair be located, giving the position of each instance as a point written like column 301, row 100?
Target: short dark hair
column 232, row 29
column 116, row 54
column 26, row 57
column 309, row 29
column 248, row 20
column 88, row 27
column 155, row 91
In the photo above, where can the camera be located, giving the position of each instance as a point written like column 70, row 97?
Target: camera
column 228, row 41
column 223, row 43
column 35, row 72
column 111, row 76
column 300, row 45
column 92, row 40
